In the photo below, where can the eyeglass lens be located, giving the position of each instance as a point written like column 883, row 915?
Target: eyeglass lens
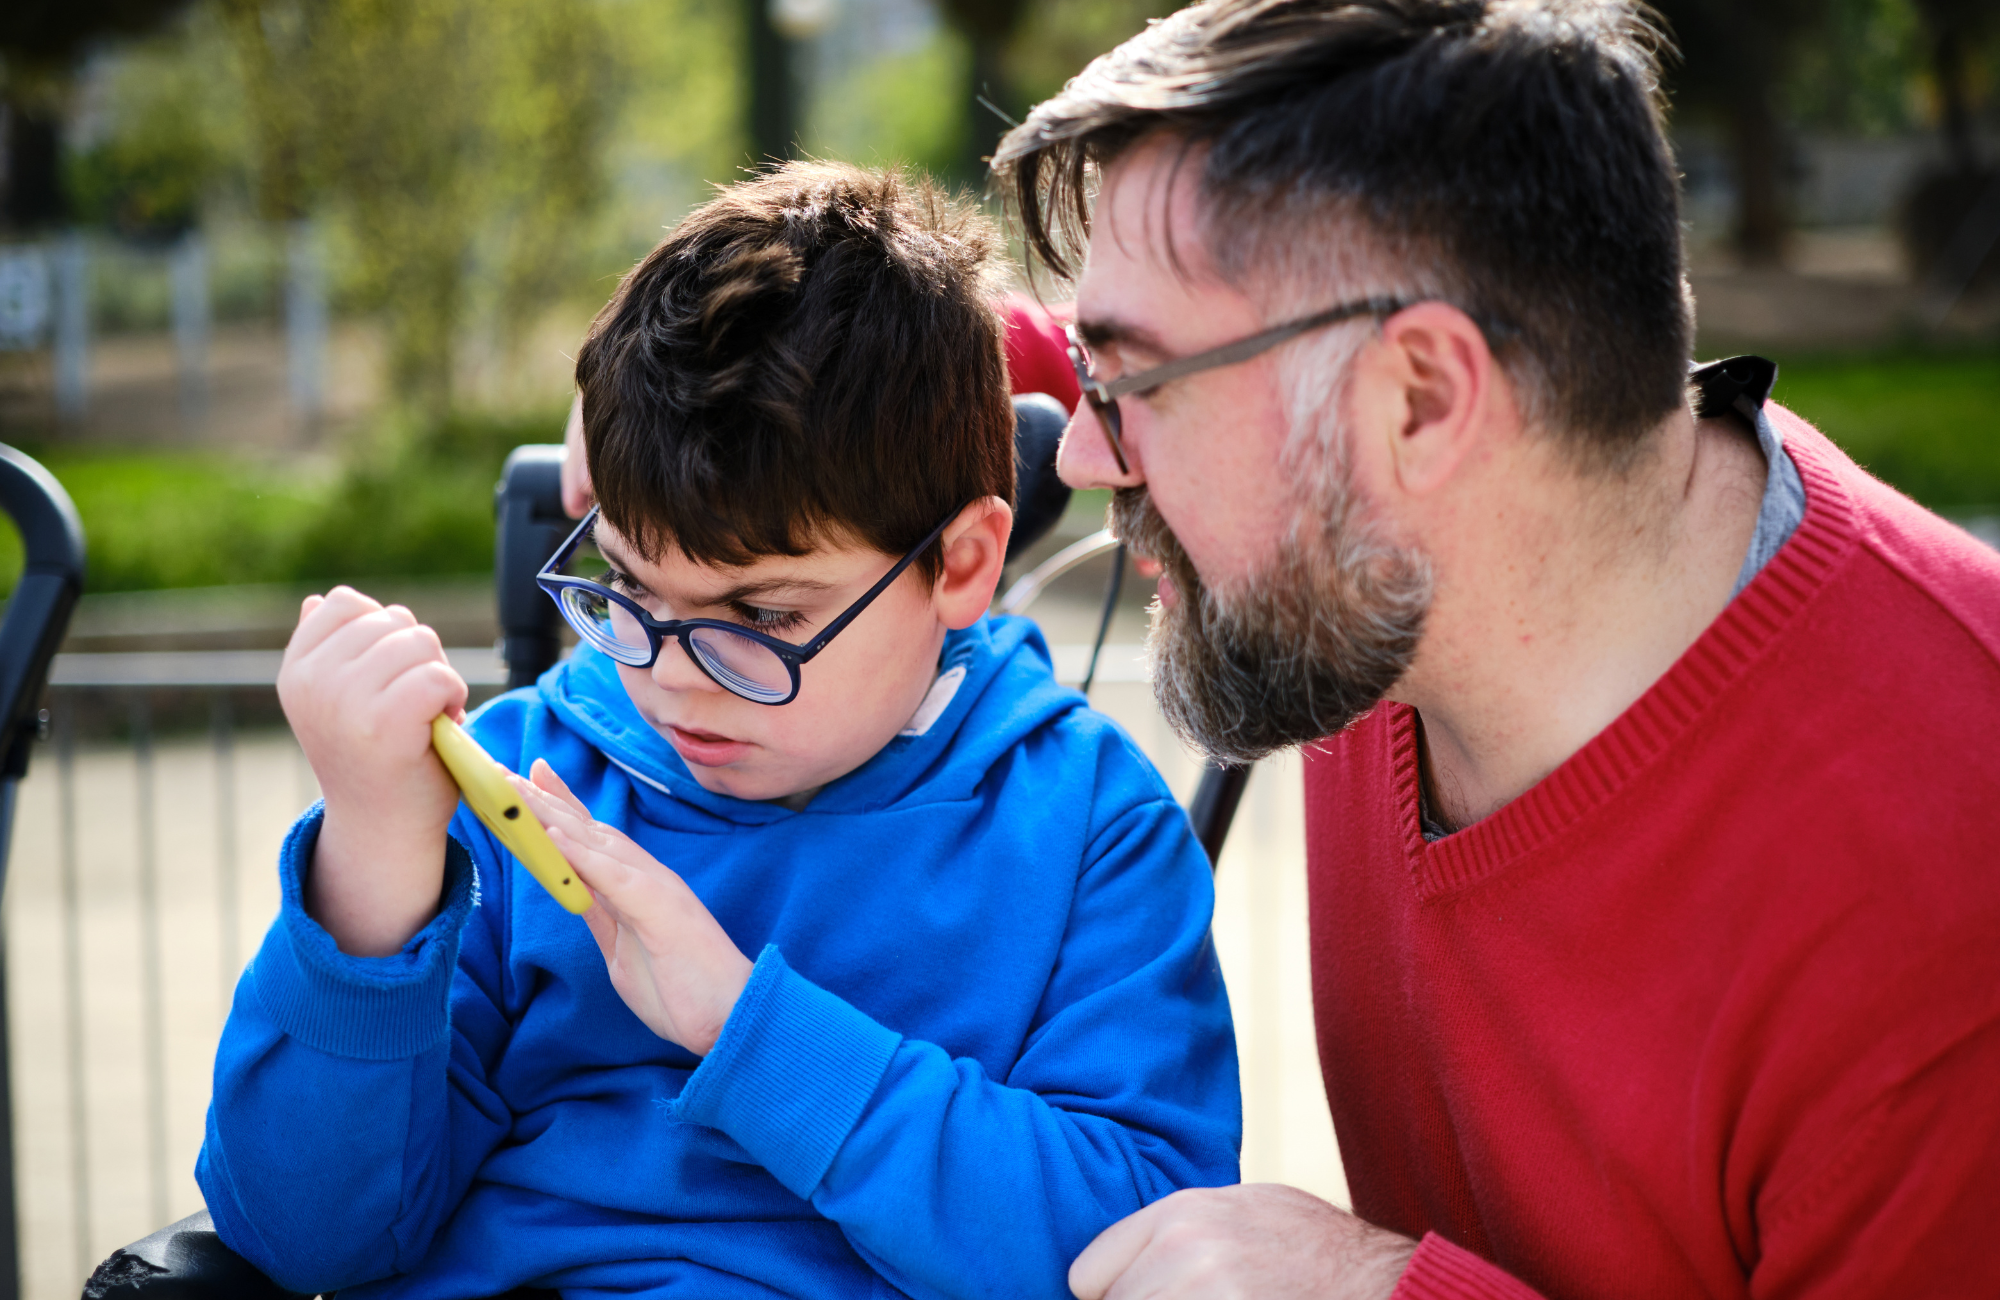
column 739, row 663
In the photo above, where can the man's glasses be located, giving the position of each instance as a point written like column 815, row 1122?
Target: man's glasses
column 1103, row 398
column 741, row 660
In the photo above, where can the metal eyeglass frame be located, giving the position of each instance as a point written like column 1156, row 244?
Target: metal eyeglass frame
column 1103, row 397
column 658, row 630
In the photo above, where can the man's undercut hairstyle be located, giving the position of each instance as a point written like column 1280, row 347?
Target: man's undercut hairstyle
column 1507, row 156
column 811, row 357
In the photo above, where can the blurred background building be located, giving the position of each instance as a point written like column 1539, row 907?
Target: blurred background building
column 282, row 281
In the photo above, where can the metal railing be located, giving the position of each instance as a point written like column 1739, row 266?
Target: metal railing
column 134, row 901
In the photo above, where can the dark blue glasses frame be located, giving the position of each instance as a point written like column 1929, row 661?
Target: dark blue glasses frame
column 658, row 630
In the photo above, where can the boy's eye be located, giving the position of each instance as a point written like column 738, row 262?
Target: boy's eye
column 771, row 621
column 618, row 582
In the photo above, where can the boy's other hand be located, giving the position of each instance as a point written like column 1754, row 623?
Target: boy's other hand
column 360, row 685
column 670, row 961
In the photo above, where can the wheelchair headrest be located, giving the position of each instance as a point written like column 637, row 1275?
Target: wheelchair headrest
column 1039, row 496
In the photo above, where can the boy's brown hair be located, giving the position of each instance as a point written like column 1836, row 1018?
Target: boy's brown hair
column 811, row 356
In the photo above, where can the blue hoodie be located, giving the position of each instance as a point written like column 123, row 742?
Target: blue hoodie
column 986, row 1023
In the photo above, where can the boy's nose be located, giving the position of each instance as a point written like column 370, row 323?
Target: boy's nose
column 676, row 670
column 1084, row 459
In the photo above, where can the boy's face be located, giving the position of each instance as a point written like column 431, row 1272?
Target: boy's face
column 854, row 696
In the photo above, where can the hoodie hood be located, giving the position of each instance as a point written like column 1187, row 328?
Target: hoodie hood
column 995, row 685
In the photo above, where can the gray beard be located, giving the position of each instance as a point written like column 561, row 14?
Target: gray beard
column 1307, row 645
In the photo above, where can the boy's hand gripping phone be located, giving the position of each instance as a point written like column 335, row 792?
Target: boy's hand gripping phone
column 493, row 799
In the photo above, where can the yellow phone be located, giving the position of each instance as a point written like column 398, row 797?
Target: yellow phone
column 495, row 801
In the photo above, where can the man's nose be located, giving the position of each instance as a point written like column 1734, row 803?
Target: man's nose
column 1085, row 461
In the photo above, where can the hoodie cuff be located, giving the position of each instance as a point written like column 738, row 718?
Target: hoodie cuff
column 790, row 1074
column 1442, row 1271
column 363, row 1008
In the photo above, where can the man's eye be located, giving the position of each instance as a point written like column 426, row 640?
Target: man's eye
column 770, row 621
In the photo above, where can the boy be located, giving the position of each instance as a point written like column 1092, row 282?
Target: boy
column 901, row 981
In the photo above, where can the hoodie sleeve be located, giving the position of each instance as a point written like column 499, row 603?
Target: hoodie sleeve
column 952, row 1182
column 350, row 1106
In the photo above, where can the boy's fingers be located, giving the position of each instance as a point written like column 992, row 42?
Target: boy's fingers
column 545, row 778
column 322, row 616
column 616, row 870
column 567, row 811
column 354, row 632
column 602, row 874
column 425, row 690
column 603, row 928
column 405, row 671
column 552, row 811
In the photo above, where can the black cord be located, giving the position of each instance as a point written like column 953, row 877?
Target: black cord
column 1110, row 608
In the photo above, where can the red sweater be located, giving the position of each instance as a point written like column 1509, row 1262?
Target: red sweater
column 1714, row 1008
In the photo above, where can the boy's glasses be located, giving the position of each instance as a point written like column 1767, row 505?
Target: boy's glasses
column 741, row 660
column 1103, row 397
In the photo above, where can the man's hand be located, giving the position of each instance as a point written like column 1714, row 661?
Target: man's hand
column 1261, row 1240
column 670, row 961
column 360, row 685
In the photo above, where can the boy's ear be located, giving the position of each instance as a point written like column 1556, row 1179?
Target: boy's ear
column 975, row 550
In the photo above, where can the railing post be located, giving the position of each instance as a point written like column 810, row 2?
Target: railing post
column 222, row 744
column 152, row 1008
column 10, row 1246
column 72, row 911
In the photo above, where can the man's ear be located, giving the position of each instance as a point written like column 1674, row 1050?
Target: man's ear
column 975, row 550
column 1443, row 381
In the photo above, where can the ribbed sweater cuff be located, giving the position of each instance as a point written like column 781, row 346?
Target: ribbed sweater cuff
column 790, row 1075
column 1442, row 1271
column 363, row 1008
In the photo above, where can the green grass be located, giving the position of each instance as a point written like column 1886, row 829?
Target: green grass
column 1928, row 422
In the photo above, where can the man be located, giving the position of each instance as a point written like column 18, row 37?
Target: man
column 1653, row 894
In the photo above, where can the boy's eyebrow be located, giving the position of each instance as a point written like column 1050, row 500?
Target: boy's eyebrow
column 767, row 586
column 729, row 596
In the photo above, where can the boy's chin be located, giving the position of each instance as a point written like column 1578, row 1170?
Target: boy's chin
column 752, row 780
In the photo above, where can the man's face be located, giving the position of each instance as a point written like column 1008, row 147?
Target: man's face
column 854, row 696
column 1284, row 612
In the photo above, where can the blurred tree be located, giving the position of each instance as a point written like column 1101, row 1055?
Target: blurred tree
column 1951, row 216
column 166, row 131
column 1735, row 56
column 990, row 99
column 1855, row 72
column 40, row 44
column 1955, row 28
column 447, row 134
column 1056, row 38
column 772, row 89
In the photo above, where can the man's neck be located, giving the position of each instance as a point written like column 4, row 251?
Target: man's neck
column 1562, row 596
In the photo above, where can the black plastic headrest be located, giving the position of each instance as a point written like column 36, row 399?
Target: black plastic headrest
column 1039, row 496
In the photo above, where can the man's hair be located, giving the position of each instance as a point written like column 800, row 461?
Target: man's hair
column 811, row 356
column 1507, row 156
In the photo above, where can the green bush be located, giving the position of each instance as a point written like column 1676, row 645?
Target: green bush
column 418, row 502
column 422, row 504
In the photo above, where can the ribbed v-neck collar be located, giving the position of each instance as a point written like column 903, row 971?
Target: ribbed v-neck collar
column 1622, row 753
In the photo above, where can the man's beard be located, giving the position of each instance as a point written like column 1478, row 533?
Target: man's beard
column 1299, row 649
